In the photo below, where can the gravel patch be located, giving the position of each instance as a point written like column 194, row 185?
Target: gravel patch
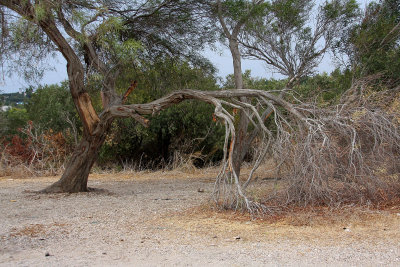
column 143, row 222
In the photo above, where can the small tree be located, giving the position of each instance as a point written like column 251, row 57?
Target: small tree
column 233, row 17
column 292, row 36
column 282, row 34
column 51, row 107
column 14, row 119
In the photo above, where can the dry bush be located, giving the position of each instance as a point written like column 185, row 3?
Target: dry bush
column 183, row 162
column 37, row 154
column 348, row 153
column 353, row 158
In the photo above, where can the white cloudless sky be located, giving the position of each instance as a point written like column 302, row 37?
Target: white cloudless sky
column 220, row 58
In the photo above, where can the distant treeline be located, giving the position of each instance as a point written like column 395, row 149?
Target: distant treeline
column 12, row 99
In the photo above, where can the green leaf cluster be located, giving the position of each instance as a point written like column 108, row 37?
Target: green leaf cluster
column 375, row 41
column 51, row 106
column 184, row 128
column 12, row 121
column 325, row 89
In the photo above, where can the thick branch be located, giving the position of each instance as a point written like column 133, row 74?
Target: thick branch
column 215, row 98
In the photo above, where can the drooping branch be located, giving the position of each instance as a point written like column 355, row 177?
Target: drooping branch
column 223, row 101
column 211, row 97
column 323, row 149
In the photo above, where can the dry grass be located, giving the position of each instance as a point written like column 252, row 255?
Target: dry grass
column 207, row 173
column 326, row 226
column 36, row 230
column 24, row 170
column 321, row 224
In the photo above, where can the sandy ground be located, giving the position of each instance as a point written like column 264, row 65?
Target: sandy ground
column 157, row 219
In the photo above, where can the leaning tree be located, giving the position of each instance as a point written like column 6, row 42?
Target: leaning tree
column 97, row 38
column 100, row 38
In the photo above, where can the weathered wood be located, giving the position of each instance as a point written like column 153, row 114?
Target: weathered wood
column 89, row 115
column 129, row 91
column 76, row 174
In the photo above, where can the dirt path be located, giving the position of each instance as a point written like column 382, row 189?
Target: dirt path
column 151, row 220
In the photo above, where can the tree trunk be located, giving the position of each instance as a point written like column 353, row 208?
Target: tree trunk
column 76, row 173
column 243, row 120
column 237, row 63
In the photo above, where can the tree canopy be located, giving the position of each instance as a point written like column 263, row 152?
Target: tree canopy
column 291, row 37
column 373, row 45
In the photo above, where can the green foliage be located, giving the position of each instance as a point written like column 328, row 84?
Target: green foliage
column 324, row 88
column 187, row 127
column 51, row 107
column 40, row 11
column 237, row 15
column 15, row 119
column 24, row 32
column 375, row 41
column 164, row 75
column 289, row 13
column 344, row 10
column 236, row 10
column 255, row 82
column 108, row 39
column 3, row 124
column 11, row 99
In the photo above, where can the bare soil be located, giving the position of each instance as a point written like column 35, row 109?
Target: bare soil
column 163, row 219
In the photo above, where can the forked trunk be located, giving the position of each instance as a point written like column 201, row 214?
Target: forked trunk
column 76, row 174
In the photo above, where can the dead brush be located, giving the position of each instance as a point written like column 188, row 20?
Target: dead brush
column 330, row 156
column 185, row 162
column 39, row 153
column 348, row 155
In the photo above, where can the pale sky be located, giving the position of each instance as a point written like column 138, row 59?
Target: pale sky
column 221, row 59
